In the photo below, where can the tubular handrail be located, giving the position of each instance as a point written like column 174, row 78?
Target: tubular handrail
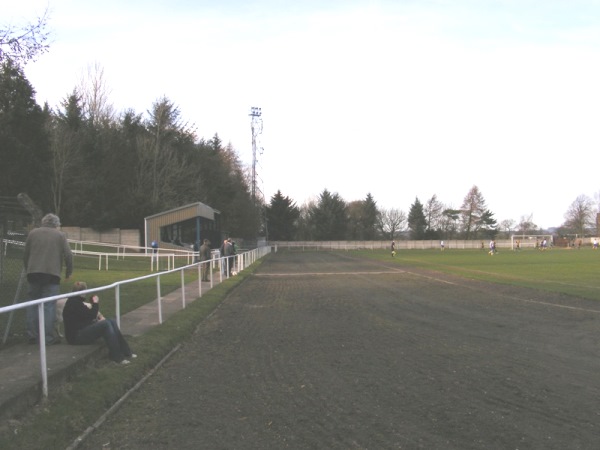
column 243, row 260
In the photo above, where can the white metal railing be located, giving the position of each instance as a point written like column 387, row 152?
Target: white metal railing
column 385, row 245
column 155, row 256
column 243, row 260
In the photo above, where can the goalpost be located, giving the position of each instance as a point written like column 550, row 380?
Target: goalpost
column 520, row 241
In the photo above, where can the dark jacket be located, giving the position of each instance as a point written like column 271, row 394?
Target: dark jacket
column 77, row 315
column 204, row 252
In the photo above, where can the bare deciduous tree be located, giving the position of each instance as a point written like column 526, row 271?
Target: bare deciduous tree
column 472, row 210
column 95, row 93
column 507, row 225
column 433, row 210
column 392, row 221
column 526, row 224
column 22, row 44
column 581, row 215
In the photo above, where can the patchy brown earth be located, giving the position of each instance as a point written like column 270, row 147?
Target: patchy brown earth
column 324, row 351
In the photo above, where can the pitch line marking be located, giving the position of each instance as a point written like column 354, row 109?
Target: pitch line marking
column 526, row 300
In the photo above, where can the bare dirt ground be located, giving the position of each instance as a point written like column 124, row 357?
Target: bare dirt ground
column 324, row 351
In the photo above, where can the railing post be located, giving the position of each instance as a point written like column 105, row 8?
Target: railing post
column 200, row 267
column 182, row 288
column 42, row 342
column 118, row 304
column 159, row 299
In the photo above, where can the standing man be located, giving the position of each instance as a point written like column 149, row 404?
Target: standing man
column 230, row 253
column 205, row 256
column 196, row 249
column 45, row 250
column 222, row 256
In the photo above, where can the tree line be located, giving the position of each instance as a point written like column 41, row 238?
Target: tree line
column 97, row 169
column 331, row 218
column 101, row 169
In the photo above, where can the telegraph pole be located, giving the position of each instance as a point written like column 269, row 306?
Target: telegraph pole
column 256, row 126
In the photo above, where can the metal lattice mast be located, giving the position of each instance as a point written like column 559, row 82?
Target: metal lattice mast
column 256, row 126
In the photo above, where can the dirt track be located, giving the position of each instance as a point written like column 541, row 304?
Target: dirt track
column 322, row 351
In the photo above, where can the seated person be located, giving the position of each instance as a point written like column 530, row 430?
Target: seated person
column 84, row 324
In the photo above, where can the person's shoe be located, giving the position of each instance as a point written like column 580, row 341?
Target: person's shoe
column 125, row 362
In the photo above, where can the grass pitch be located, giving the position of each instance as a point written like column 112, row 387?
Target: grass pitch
column 568, row 271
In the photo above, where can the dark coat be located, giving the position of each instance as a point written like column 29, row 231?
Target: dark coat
column 77, row 316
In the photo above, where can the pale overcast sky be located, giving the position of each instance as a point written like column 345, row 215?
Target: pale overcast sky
column 400, row 99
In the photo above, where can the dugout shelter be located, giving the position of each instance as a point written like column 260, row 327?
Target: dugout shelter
column 183, row 227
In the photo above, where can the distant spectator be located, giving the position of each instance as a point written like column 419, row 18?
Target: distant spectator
column 230, row 253
column 205, row 256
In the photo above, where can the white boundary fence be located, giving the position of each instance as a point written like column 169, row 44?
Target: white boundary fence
column 385, row 245
column 525, row 241
column 158, row 258
column 243, row 260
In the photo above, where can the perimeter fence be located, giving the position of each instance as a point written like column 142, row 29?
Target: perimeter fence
column 400, row 244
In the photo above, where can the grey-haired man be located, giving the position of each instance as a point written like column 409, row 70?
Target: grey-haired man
column 45, row 250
